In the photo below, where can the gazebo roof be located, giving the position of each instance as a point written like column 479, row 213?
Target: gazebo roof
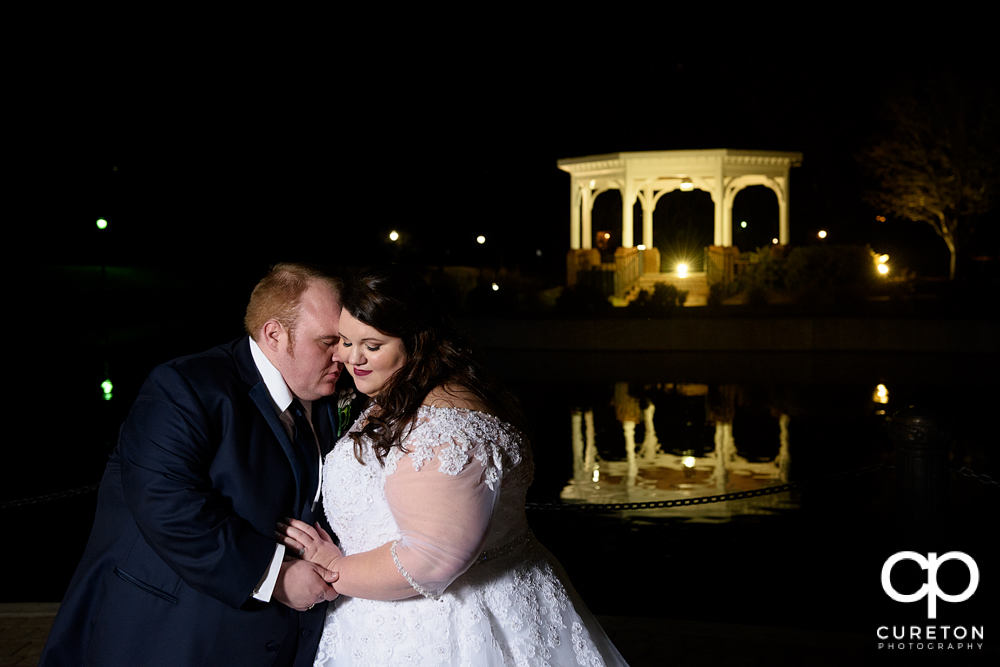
column 684, row 158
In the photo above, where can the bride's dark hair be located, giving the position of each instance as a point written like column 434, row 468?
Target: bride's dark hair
column 398, row 303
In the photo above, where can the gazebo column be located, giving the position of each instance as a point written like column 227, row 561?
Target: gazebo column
column 719, row 198
column 628, row 201
column 782, row 222
column 646, row 197
column 783, row 237
column 727, row 221
column 588, row 209
column 575, row 196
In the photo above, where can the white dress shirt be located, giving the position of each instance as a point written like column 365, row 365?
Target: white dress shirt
column 281, row 398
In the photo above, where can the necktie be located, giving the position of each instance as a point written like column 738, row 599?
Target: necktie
column 305, row 444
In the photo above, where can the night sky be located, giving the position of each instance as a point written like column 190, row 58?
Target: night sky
column 224, row 159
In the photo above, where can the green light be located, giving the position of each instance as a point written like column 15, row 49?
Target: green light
column 743, row 224
column 101, row 223
column 106, row 387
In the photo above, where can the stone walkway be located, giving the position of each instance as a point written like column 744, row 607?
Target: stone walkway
column 23, row 629
column 644, row 642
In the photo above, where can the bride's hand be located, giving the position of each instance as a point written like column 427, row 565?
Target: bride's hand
column 311, row 543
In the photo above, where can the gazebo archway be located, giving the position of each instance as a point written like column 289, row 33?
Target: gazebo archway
column 683, row 226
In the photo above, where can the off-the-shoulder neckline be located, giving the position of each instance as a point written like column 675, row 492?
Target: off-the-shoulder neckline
column 468, row 411
column 465, row 410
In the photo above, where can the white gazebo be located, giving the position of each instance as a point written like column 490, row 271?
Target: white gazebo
column 646, row 176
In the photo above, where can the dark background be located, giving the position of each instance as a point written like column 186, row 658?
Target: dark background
column 211, row 161
column 198, row 154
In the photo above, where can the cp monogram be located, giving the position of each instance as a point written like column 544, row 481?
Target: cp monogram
column 930, row 589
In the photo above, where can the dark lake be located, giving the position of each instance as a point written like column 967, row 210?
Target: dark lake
column 633, row 427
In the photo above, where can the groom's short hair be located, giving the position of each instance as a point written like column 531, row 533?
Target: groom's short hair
column 278, row 296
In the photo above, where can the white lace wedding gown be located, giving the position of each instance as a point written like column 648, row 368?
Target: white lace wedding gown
column 454, row 505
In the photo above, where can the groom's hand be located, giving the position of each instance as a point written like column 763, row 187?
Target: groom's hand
column 302, row 584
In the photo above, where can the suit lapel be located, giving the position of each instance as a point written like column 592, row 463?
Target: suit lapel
column 263, row 401
column 260, row 397
column 325, row 425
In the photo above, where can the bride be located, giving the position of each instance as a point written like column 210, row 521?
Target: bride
column 426, row 493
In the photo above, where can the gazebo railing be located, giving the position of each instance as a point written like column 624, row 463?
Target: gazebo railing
column 628, row 270
column 614, row 279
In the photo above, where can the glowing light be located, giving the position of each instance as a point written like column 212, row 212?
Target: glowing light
column 688, row 461
column 882, row 259
column 607, row 235
column 641, row 246
column 101, row 223
column 597, row 473
column 106, row 387
column 495, row 287
column 593, row 183
column 687, row 185
column 480, row 239
column 774, row 241
column 743, row 224
column 394, row 235
column 883, row 269
column 682, row 270
column 538, row 253
column 822, row 234
column 881, row 394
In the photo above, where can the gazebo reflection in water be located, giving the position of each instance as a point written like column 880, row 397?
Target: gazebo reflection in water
column 651, row 470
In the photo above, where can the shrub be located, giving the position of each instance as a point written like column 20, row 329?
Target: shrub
column 658, row 304
column 828, row 266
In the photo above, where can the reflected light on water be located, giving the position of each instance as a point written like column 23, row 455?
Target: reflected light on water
column 648, row 470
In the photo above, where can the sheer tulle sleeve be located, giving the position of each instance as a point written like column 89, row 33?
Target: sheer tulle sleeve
column 442, row 495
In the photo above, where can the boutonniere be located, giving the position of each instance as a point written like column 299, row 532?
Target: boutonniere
column 344, row 398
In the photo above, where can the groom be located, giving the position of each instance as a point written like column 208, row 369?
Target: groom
column 182, row 567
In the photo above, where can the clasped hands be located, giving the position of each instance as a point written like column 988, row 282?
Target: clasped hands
column 308, row 578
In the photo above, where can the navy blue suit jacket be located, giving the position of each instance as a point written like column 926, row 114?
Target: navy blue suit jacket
column 185, row 525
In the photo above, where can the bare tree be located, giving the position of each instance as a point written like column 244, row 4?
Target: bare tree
column 938, row 161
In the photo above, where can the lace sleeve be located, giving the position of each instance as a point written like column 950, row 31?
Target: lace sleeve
column 442, row 495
